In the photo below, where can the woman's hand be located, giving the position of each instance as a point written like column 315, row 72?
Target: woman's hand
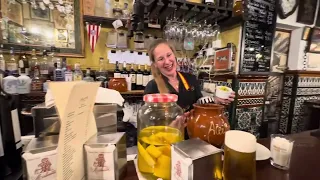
column 218, row 100
column 180, row 121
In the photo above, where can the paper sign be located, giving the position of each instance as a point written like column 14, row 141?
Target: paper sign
column 117, row 23
column 75, row 109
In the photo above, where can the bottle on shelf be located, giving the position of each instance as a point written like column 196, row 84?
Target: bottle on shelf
column 36, row 82
column 68, row 74
column 2, row 67
column 117, row 11
column 12, row 66
column 139, row 81
column 88, row 77
column 101, row 74
column 32, row 62
column 124, row 72
column 23, row 65
column 238, row 8
column 44, row 67
column 133, row 76
column 58, row 74
column 77, row 75
column 150, row 75
column 117, row 73
column 145, row 78
column 51, row 63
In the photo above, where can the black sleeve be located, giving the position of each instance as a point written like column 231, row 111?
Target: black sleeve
column 151, row 88
column 197, row 88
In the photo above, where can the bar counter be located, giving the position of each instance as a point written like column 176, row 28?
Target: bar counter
column 305, row 161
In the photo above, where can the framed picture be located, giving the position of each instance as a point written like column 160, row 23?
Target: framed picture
column 281, row 46
column 40, row 14
column 43, row 28
column 14, row 12
column 314, row 46
column 306, row 11
column 306, row 33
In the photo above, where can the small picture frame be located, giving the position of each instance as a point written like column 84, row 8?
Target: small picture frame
column 222, row 59
column 314, row 46
column 40, row 14
column 306, row 12
column 306, row 33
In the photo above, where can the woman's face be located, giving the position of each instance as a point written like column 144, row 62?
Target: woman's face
column 165, row 60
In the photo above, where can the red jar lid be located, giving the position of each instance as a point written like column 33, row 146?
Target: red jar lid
column 160, row 98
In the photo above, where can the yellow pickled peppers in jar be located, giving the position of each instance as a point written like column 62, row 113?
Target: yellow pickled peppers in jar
column 156, row 132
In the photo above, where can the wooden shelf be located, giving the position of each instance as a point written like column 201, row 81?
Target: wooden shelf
column 134, row 92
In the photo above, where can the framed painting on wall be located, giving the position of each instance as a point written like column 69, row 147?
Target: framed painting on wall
column 314, row 46
column 281, row 45
column 306, row 11
column 43, row 26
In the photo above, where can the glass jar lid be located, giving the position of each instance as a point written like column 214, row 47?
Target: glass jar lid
column 160, row 98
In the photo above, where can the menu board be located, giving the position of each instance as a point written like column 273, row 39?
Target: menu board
column 257, row 37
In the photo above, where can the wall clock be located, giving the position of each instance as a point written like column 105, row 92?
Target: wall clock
column 287, row 8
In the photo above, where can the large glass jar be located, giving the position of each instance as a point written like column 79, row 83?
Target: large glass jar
column 157, row 130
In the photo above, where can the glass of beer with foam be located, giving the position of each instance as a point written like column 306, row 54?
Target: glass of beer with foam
column 239, row 156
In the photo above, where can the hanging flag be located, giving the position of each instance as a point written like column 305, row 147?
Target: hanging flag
column 93, row 34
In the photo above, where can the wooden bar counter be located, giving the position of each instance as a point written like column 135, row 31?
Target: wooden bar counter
column 305, row 161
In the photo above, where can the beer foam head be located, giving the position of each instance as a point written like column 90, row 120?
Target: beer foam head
column 240, row 141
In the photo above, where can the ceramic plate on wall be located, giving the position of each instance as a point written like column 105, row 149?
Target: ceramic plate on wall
column 262, row 152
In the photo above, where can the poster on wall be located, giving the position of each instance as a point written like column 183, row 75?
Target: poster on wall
column 306, row 11
column 280, row 51
column 41, row 25
column 286, row 8
column 315, row 41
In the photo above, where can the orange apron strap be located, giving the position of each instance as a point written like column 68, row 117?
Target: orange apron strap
column 184, row 81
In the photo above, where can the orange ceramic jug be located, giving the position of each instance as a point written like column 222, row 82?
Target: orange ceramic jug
column 207, row 122
column 118, row 84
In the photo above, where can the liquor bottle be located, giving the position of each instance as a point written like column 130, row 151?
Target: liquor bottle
column 133, row 77
column 51, row 62
column 44, row 67
column 124, row 72
column 12, row 66
column 88, row 78
column 32, row 62
column 150, row 75
column 36, row 82
column 117, row 73
column 101, row 74
column 58, row 74
column 117, row 11
column 238, row 8
column 77, row 75
column 2, row 67
column 139, row 81
column 23, row 65
column 68, row 74
column 145, row 78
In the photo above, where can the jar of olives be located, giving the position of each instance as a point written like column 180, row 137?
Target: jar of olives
column 157, row 129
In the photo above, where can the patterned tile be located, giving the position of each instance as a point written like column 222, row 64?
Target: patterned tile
column 308, row 91
column 283, row 124
column 298, row 124
column 249, row 119
column 299, row 104
column 250, row 101
column 251, row 88
column 309, row 82
column 287, row 90
column 285, row 105
column 288, row 81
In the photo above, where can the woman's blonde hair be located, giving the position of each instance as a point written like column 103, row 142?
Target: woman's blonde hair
column 154, row 70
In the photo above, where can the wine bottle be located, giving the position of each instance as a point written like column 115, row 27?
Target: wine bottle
column 117, row 73
column 77, row 75
column 124, row 72
column 88, row 77
column 133, row 76
column 12, row 65
column 101, row 74
column 44, row 67
column 58, row 74
column 145, row 76
column 139, row 81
